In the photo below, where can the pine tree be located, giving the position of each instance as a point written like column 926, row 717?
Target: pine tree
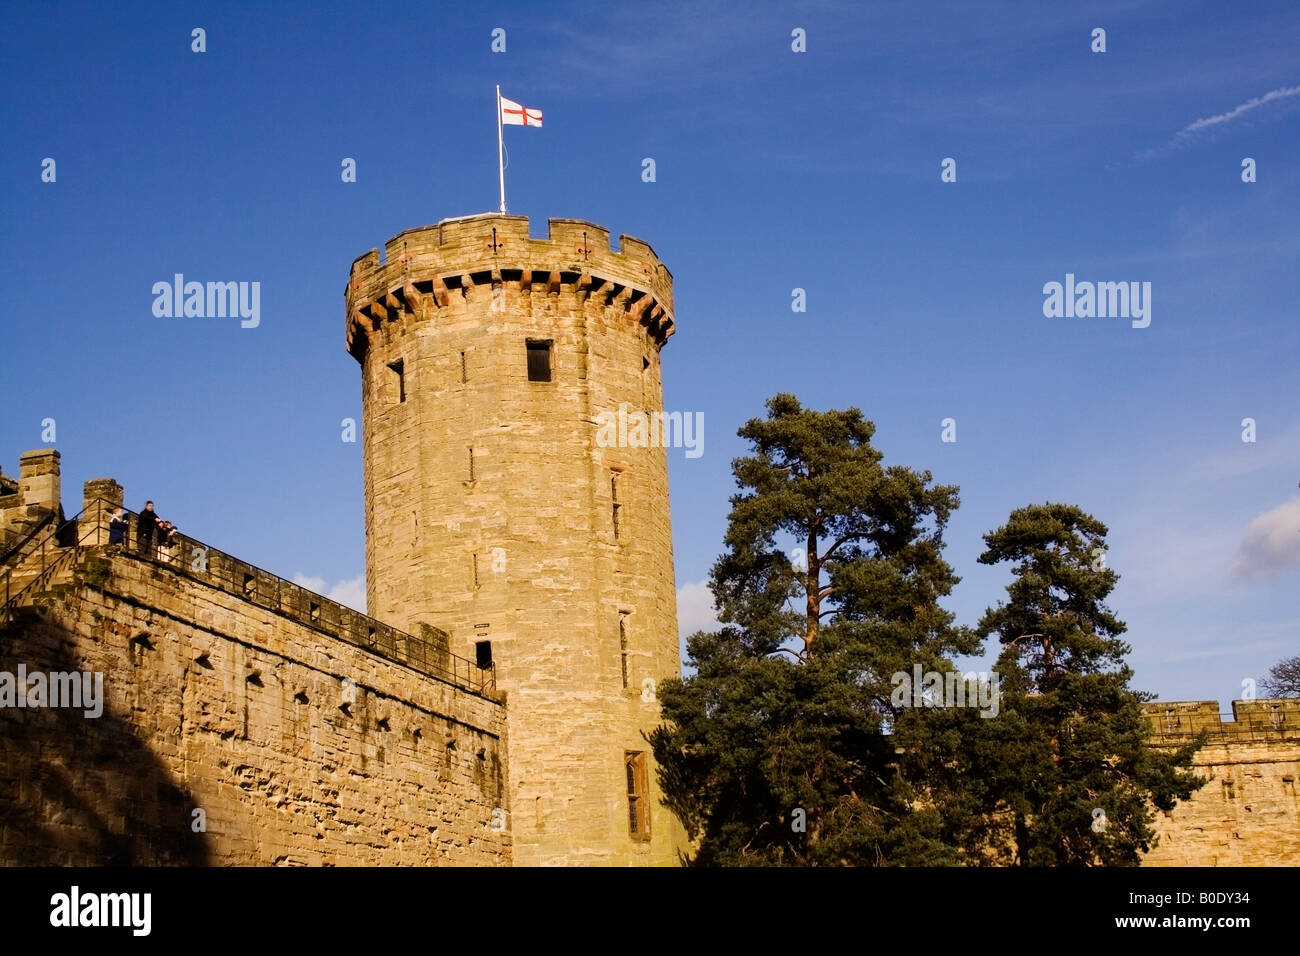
column 783, row 747
column 1068, row 760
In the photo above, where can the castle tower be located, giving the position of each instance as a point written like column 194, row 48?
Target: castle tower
column 495, row 512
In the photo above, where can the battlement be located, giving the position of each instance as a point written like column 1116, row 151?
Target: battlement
column 1245, row 815
column 424, row 269
column 495, row 511
column 1252, row 720
column 223, row 691
column 31, row 499
column 428, row 653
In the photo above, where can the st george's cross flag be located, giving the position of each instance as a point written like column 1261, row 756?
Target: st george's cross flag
column 512, row 114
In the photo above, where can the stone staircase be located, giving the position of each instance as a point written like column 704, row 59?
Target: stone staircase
column 24, row 535
column 39, row 558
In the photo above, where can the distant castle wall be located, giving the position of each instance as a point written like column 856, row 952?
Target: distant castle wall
column 215, row 703
column 1247, row 814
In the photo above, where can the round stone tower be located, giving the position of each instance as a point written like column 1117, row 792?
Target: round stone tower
column 506, row 505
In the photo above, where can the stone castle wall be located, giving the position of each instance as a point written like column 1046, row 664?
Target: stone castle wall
column 494, row 513
column 1247, row 814
column 218, row 704
column 226, row 693
column 29, row 498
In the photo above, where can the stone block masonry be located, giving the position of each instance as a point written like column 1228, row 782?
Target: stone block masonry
column 235, row 734
column 1247, row 814
column 495, row 514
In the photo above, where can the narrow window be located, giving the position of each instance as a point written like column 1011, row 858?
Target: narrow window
column 471, row 464
column 483, row 654
column 250, row 584
column 314, row 611
column 638, row 816
column 399, row 378
column 614, row 505
column 475, row 557
column 539, row 361
column 463, row 376
column 622, row 642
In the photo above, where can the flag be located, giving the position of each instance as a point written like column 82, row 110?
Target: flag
column 512, row 114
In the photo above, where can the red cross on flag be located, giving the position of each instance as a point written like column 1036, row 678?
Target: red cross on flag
column 512, row 114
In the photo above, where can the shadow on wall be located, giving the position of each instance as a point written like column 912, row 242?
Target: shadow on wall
column 82, row 791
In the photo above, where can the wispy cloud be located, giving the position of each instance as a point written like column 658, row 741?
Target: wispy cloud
column 1246, row 107
column 350, row 593
column 1192, row 131
column 1271, row 545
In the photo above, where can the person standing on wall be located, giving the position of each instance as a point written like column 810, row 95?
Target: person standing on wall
column 144, row 527
column 117, row 527
column 166, row 532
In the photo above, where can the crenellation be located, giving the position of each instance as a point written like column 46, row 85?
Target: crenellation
column 1247, row 813
column 473, row 250
column 511, row 543
column 1252, row 720
column 497, row 524
column 296, row 748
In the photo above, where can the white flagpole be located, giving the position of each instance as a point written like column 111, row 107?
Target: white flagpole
column 501, row 163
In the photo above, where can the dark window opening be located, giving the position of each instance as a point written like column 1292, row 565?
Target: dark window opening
column 622, row 642
column 539, row 361
column 483, row 653
column 614, row 503
column 399, row 369
column 471, row 464
column 463, row 376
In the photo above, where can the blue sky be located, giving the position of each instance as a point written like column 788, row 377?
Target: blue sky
column 775, row 170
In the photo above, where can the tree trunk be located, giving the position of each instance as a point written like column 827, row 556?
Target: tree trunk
column 812, row 589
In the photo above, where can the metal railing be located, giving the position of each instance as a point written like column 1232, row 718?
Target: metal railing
column 54, row 555
column 12, row 547
column 193, row 558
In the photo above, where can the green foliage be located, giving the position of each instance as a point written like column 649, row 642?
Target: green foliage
column 778, row 749
column 786, row 746
column 1068, row 762
column 98, row 572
